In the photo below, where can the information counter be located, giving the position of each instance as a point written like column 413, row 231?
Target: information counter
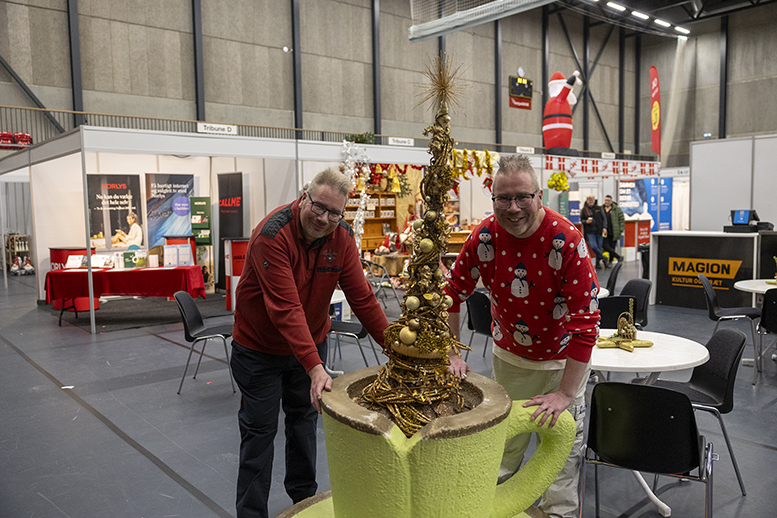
column 676, row 258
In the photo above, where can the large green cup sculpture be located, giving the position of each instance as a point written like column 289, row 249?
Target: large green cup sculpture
column 448, row 469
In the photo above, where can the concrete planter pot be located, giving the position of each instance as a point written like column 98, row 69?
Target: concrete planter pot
column 448, row 469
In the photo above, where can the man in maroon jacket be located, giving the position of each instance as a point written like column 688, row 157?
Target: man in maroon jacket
column 296, row 257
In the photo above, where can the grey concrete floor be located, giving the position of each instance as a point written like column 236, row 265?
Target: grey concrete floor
column 92, row 425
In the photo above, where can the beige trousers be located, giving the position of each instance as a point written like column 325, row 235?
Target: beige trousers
column 561, row 498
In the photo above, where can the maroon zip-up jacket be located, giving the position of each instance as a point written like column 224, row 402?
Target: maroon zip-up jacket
column 282, row 299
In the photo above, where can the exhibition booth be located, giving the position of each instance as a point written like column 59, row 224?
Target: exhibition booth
column 85, row 184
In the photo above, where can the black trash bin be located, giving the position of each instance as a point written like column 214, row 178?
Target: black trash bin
column 644, row 251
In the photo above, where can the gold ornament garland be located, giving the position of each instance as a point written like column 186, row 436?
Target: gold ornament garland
column 416, row 378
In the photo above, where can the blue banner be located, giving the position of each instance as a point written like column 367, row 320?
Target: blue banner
column 167, row 209
column 660, row 202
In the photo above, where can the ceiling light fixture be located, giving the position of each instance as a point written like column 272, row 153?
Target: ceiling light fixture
column 640, row 15
column 663, row 23
column 615, row 6
column 682, row 30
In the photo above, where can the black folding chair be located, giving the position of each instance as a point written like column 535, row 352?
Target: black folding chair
column 718, row 314
column 647, row 428
column 196, row 331
column 378, row 277
column 640, row 290
column 613, row 278
column 768, row 322
column 479, row 318
column 610, row 308
column 711, row 387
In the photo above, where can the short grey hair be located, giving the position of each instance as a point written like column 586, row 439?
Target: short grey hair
column 514, row 164
column 331, row 178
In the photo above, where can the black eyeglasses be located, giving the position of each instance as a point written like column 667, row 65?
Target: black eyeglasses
column 320, row 210
column 522, row 201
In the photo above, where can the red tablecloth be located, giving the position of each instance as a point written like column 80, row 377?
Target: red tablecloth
column 139, row 282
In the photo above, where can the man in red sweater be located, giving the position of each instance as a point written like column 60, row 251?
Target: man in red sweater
column 543, row 291
column 296, row 257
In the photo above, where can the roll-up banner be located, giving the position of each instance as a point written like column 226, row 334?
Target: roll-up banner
column 167, row 206
column 112, row 197
column 655, row 111
column 230, row 215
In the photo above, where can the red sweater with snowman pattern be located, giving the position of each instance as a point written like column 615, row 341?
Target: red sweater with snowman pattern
column 543, row 288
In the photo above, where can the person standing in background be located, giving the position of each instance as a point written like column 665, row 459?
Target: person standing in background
column 614, row 224
column 593, row 225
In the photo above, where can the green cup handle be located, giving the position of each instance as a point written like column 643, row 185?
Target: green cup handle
column 525, row 487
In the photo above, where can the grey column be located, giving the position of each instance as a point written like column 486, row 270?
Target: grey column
column 723, row 77
column 297, row 66
column 376, row 96
column 75, row 62
column 199, row 74
column 498, row 82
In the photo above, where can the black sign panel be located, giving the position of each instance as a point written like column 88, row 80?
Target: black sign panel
column 521, row 87
column 767, row 264
column 724, row 260
column 230, row 214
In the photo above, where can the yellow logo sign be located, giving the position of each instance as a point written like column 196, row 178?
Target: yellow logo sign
column 690, row 267
column 655, row 115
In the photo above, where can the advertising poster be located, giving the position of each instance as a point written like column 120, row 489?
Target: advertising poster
column 655, row 111
column 230, row 214
column 167, row 206
column 114, row 210
column 649, row 198
column 659, row 202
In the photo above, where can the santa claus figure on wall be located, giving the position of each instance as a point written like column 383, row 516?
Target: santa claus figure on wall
column 557, row 119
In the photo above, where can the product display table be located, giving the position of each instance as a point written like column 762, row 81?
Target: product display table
column 668, row 353
column 138, row 282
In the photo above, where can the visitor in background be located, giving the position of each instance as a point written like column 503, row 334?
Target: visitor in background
column 614, row 224
column 593, row 227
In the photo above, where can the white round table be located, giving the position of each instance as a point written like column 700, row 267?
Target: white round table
column 757, row 286
column 668, row 353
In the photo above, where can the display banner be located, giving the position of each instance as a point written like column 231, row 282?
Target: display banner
column 633, row 198
column 230, row 214
column 167, row 206
column 723, row 260
column 112, row 197
column 655, row 111
column 563, row 204
column 573, row 204
column 659, row 202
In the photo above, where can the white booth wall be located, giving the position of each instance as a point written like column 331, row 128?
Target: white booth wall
column 732, row 174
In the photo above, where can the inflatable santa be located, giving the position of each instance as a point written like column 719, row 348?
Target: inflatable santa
column 557, row 119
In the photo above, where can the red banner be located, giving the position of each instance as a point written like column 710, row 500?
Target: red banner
column 655, row 111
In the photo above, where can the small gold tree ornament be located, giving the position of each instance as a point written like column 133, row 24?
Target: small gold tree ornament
column 415, row 385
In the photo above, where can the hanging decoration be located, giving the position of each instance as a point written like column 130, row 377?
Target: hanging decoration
column 480, row 163
column 356, row 167
column 558, row 181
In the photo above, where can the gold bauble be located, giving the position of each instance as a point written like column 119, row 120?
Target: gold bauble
column 414, row 324
column 447, row 301
column 412, row 303
column 438, row 274
column 426, row 245
column 430, row 216
column 417, row 224
column 407, row 336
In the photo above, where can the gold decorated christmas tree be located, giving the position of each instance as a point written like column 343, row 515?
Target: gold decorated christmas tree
column 415, row 385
